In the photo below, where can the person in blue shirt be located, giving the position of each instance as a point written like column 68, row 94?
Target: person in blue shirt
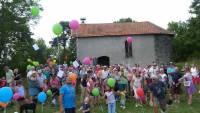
column 170, row 72
column 67, row 97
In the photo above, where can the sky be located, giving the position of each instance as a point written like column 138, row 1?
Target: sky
column 159, row 12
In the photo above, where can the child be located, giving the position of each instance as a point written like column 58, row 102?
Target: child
column 163, row 76
column 55, row 85
column 137, row 82
column 85, row 106
column 111, row 100
column 83, row 87
column 122, row 99
column 45, row 86
column 28, row 105
column 195, row 76
column 20, row 90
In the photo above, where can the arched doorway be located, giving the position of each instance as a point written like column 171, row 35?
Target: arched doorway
column 103, row 60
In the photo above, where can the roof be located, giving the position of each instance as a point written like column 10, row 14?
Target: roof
column 119, row 29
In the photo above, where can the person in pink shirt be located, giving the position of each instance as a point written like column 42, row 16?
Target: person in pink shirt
column 55, row 86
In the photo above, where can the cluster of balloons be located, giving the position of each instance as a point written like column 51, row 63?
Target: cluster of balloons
column 29, row 67
column 58, row 28
column 33, row 63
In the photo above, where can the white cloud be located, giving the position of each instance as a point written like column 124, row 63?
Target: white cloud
column 160, row 12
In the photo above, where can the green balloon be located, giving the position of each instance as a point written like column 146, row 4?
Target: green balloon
column 35, row 63
column 49, row 93
column 57, row 29
column 95, row 92
column 111, row 82
column 29, row 60
column 35, row 11
column 28, row 67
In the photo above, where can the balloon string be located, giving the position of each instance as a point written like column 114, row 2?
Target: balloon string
column 5, row 110
column 42, row 107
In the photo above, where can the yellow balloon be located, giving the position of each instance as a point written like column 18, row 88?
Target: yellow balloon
column 54, row 61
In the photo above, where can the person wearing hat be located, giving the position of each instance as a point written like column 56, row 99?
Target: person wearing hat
column 157, row 89
column 67, row 97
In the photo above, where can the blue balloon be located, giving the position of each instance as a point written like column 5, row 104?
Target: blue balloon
column 6, row 94
column 42, row 97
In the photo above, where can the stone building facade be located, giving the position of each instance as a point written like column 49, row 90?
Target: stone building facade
column 106, row 43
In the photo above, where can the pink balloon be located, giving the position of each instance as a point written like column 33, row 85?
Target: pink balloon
column 16, row 96
column 86, row 61
column 74, row 24
column 129, row 39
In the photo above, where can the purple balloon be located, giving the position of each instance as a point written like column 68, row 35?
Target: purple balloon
column 129, row 39
column 74, row 24
column 87, row 61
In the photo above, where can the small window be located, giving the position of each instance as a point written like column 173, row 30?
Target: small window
column 128, row 49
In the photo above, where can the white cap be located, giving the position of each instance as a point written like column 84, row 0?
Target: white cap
column 154, row 77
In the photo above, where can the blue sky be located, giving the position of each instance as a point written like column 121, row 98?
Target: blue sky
column 159, row 12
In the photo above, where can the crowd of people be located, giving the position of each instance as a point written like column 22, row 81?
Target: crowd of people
column 162, row 85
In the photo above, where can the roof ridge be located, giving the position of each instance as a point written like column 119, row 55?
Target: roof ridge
column 113, row 23
column 120, row 29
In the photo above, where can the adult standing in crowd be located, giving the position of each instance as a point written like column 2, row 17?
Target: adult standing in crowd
column 67, row 97
column 9, row 75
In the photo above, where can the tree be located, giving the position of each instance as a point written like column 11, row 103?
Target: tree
column 178, row 50
column 41, row 54
column 186, row 44
column 195, row 7
column 66, row 44
column 123, row 20
column 15, row 35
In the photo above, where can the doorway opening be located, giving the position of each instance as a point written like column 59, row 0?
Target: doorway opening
column 103, row 60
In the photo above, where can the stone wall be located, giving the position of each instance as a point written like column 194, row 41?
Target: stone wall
column 163, row 48
column 114, row 47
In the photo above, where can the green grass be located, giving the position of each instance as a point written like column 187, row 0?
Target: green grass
column 130, row 107
column 181, row 64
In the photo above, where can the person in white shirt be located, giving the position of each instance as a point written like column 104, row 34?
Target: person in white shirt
column 105, row 73
column 30, row 72
column 110, row 96
column 162, row 76
column 153, row 70
column 194, row 71
column 195, row 76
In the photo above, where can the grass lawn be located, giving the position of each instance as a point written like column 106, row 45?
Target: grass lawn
column 130, row 107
